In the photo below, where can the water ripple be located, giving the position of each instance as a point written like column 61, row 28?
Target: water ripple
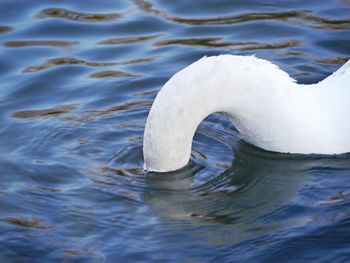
column 333, row 60
column 127, row 40
column 205, row 42
column 77, row 16
column 31, row 43
column 148, row 7
column 302, row 15
column 44, row 113
column 76, row 61
column 126, row 106
column 34, row 223
column 91, row 115
column 338, row 197
column 113, row 74
column 281, row 45
column 82, row 116
column 217, row 42
column 67, row 61
column 327, row 24
column 5, row 29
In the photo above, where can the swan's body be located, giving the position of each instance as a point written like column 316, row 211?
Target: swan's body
column 269, row 109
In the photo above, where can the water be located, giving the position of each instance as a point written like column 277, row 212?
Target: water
column 77, row 81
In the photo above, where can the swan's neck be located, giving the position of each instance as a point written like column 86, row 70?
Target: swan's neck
column 267, row 107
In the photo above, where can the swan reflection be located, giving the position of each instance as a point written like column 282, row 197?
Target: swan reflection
column 253, row 197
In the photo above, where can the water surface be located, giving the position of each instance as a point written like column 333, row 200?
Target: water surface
column 77, row 81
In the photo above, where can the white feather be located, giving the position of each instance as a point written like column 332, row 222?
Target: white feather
column 268, row 107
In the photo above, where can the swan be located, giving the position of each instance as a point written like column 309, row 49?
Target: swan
column 268, row 108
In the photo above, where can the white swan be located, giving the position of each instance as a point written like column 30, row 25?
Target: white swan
column 268, row 108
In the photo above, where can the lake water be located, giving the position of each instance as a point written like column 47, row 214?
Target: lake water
column 77, row 81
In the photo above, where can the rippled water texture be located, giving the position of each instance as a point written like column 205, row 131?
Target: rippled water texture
column 77, row 81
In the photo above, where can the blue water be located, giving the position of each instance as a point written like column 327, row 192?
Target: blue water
column 77, row 81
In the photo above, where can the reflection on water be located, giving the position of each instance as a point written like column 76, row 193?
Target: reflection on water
column 251, row 193
column 217, row 42
column 304, row 15
column 31, row 223
column 4, row 29
column 74, row 61
column 43, row 113
column 67, row 61
column 127, row 40
column 148, row 7
column 77, row 81
column 260, row 195
column 63, row 44
column 336, row 60
column 112, row 73
column 76, row 16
